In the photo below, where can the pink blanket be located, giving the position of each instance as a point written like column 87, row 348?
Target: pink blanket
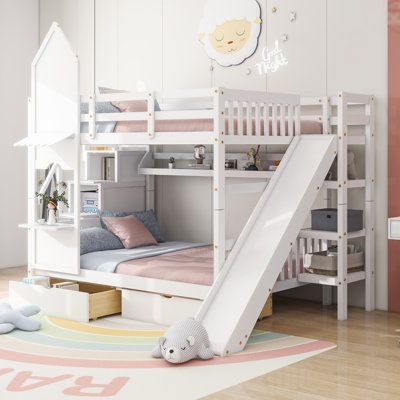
column 189, row 266
column 205, row 125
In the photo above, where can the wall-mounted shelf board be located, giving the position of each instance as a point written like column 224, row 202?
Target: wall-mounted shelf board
column 328, row 235
column 44, row 139
column 57, row 227
column 330, row 280
column 205, row 172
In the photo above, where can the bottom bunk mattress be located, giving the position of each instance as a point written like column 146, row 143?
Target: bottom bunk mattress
column 171, row 261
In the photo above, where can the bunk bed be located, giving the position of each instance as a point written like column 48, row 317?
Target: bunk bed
column 215, row 117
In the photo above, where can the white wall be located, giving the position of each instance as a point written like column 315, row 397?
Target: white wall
column 76, row 19
column 19, row 40
column 334, row 45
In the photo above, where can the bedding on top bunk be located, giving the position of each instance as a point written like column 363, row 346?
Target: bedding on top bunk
column 206, row 125
column 175, row 125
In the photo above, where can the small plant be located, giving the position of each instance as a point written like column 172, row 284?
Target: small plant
column 53, row 199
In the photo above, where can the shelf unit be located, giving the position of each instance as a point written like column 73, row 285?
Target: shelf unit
column 319, row 240
column 111, row 195
column 124, row 165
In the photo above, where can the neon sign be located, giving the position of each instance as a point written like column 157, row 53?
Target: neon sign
column 273, row 59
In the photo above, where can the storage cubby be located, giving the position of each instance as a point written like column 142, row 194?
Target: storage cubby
column 111, row 165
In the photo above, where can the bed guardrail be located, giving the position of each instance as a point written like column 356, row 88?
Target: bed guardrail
column 241, row 112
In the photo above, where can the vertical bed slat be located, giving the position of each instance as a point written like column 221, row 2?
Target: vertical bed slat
column 266, row 119
column 249, row 119
column 290, row 264
column 240, row 118
column 257, row 119
column 282, row 274
column 298, row 255
column 274, row 120
column 231, row 119
column 297, row 124
column 282, row 120
column 290, row 120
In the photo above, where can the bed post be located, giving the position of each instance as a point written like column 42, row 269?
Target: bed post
column 219, row 181
column 342, row 206
column 32, row 209
column 370, row 207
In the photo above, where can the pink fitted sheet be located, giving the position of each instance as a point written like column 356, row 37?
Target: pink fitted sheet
column 189, row 266
column 206, row 125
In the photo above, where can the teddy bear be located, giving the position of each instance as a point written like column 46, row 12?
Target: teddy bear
column 185, row 340
column 11, row 319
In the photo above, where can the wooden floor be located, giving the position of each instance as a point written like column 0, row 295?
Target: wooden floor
column 366, row 364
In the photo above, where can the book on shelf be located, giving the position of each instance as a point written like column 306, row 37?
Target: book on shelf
column 109, row 168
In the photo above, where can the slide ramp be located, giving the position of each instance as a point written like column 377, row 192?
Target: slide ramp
column 237, row 297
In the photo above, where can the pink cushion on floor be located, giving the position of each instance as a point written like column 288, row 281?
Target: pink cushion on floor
column 130, row 230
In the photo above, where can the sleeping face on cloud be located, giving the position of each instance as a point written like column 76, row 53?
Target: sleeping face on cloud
column 230, row 29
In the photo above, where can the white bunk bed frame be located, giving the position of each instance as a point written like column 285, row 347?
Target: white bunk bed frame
column 61, row 141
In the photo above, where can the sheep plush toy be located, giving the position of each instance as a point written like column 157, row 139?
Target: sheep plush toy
column 18, row 319
column 185, row 340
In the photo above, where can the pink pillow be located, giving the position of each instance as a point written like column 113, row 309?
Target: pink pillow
column 130, row 231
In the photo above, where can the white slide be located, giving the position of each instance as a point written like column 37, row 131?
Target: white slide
column 237, row 297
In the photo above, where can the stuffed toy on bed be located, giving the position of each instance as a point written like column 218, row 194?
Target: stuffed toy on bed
column 185, row 340
column 18, row 319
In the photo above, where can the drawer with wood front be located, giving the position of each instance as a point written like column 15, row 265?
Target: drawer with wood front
column 88, row 303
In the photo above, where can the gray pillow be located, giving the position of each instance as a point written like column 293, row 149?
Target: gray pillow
column 148, row 218
column 98, row 239
column 101, row 127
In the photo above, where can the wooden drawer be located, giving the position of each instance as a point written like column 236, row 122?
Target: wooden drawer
column 91, row 302
column 267, row 309
column 157, row 308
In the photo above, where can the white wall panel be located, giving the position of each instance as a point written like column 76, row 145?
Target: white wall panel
column 107, row 43
column 19, row 41
column 185, row 63
column 76, row 19
column 139, row 44
column 237, row 76
column 305, row 48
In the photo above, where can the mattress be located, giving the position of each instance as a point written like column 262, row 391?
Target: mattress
column 189, row 266
column 206, row 125
column 171, row 261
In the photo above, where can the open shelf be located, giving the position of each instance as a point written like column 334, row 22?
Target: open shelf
column 330, row 280
column 328, row 235
column 44, row 139
column 205, row 172
column 56, row 227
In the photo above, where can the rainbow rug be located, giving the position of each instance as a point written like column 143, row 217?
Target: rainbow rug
column 110, row 358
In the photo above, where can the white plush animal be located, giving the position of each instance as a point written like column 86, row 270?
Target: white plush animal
column 185, row 340
column 11, row 319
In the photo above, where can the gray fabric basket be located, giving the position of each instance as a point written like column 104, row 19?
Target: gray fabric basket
column 325, row 219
